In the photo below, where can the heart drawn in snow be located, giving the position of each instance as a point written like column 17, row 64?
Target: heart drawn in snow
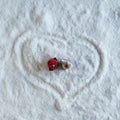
column 32, row 53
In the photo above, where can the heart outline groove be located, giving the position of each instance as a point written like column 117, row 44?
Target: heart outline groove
column 31, row 54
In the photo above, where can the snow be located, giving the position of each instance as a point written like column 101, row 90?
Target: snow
column 86, row 33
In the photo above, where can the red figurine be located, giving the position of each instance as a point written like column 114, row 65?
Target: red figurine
column 53, row 64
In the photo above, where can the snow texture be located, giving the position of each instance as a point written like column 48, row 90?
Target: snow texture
column 84, row 32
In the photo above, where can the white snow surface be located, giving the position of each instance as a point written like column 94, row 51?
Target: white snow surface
column 84, row 32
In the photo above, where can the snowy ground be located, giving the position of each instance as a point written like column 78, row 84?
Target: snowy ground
column 87, row 33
